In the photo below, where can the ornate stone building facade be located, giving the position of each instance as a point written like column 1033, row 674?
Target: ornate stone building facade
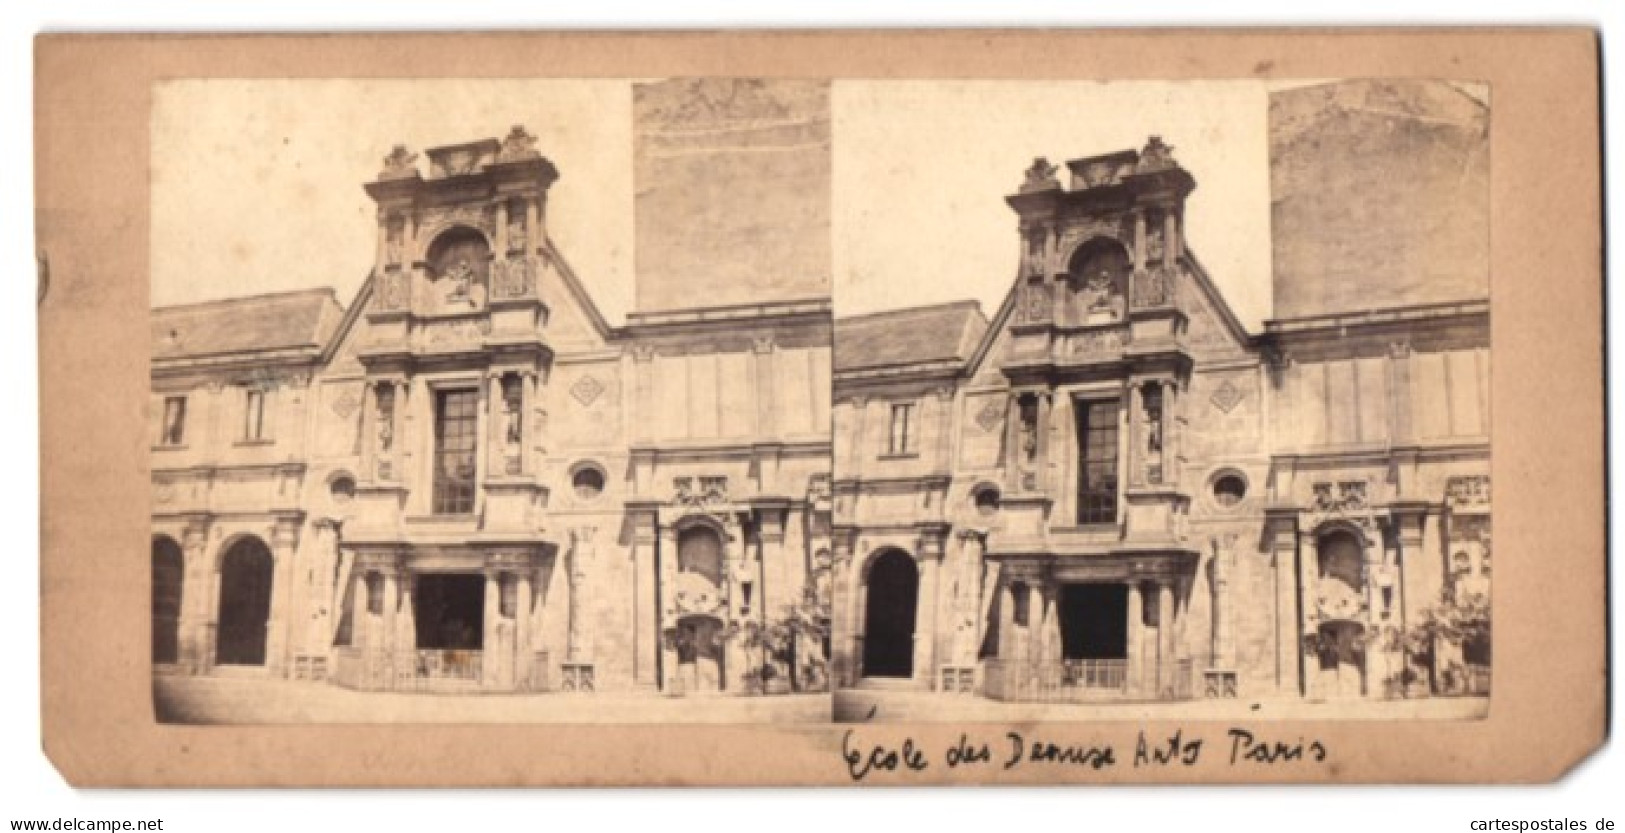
column 1113, row 491
column 466, row 479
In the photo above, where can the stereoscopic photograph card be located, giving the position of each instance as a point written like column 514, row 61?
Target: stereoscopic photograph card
column 821, row 409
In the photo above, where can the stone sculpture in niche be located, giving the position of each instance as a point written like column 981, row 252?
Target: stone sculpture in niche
column 1101, row 300
column 513, row 422
column 1151, row 421
column 461, row 276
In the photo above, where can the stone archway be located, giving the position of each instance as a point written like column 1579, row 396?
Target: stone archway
column 701, row 660
column 246, row 572
column 168, row 573
column 893, row 583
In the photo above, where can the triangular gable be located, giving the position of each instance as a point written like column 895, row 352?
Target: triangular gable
column 341, row 333
column 995, row 329
column 1213, row 325
column 579, row 293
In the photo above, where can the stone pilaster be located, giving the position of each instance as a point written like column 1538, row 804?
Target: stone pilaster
column 1136, row 639
column 925, row 611
column 197, row 599
column 646, row 619
column 583, row 555
column 284, row 545
column 1165, row 638
column 843, row 580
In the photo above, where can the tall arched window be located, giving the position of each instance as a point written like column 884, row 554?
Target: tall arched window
column 699, row 550
column 1340, row 558
column 168, row 571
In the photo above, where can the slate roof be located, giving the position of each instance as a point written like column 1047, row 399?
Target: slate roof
column 281, row 321
column 941, row 332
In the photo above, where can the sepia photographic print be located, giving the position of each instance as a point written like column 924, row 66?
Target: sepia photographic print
column 1140, row 476
column 820, row 409
column 1106, row 493
column 458, row 478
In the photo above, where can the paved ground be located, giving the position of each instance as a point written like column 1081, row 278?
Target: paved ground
column 252, row 700
column 180, row 699
column 860, row 705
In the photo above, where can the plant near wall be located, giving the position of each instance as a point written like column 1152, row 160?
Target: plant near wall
column 1455, row 620
column 788, row 648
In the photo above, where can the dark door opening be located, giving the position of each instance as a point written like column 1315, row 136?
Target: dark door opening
column 888, row 633
column 245, row 603
column 1094, row 621
column 168, row 567
column 449, row 611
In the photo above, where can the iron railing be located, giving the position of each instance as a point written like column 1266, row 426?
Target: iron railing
column 1080, row 681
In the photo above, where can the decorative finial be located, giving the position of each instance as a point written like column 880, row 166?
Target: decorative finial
column 519, row 144
column 399, row 163
column 1041, row 177
column 1156, row 156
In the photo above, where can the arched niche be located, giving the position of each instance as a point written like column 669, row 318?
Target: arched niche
column 1097, row 282
column 457, row 266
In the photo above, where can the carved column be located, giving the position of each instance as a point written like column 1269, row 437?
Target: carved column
column 925, row 611
column 1007, row 625
column 647, row 621
column 1136, row 637
column 969, row 615
column 1041, row 427
column 196, row 618
column 582, row 555
column 1172, row 247
column 1165, row 638
column 523, row 601
column 533, row 225
column 1012, row 444
column 1170, row 432
column 381, row 259
column 1223, row 644
column 491, row 434
column 843, row 577
column 488, row 641
column 1136, row 433
column 1035, row 619
column 501, row 248
column 284, row 541
column 530, row 415
column 401, row 452
column 1281, row 532
column 388, row 644
column 1139, row 246
column 369, row 431
column 1049, row 641
column 762, row 356
column 1399, row 391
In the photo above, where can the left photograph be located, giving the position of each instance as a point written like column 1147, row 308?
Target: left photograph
column 491, row 401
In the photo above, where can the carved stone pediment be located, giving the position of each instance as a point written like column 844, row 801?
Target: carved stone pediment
column 703, row 492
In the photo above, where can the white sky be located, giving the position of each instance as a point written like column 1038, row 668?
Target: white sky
column 922, row 169
column 257, row 183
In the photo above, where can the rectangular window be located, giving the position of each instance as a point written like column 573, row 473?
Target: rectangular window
column 456, row 443
column 174, row 429
column 902, row 429
column 253, row 414
column 1097, row 462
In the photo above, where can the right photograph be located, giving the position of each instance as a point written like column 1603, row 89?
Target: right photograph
column 1161, row 399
